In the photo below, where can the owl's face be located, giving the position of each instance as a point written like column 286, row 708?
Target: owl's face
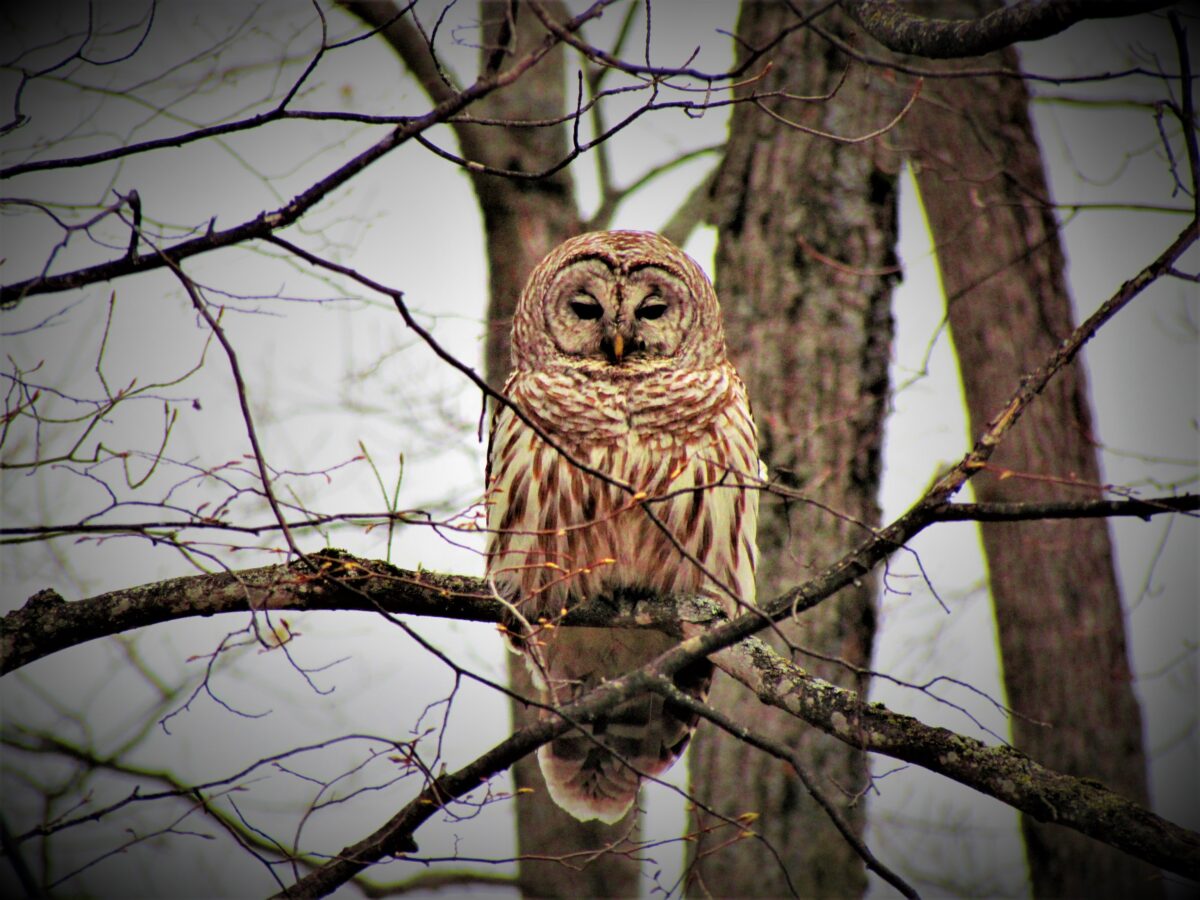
column 616, row 303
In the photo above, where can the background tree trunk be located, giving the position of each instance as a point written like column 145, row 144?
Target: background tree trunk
column 523, row 221
column 1057, row 603
column 804, row 270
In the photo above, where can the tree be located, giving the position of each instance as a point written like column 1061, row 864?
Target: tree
column 789, row 202
column 1053, row 583
column 87, row 427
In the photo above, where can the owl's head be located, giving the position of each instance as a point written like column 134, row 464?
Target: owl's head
column 617, row 303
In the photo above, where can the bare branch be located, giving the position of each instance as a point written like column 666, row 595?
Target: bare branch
column 843, row 139
column 47, row 623
column 667, row 689
column 267, row 223
column 1083, row 509
column 243, row 400
column 1027, row 20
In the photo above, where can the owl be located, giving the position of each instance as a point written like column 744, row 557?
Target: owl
column 618, row 355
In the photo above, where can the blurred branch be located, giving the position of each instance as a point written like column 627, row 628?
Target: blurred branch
column 394, row 24
column 792, row 758
column 881, row 62
column 172, row 788
column 613, row 196
column 843, row 139
column 396, row 836
column 660, row 73
column 400, row 31
column 696, row 210
column 1187, row 110
column 434, row 882
column 25, row 877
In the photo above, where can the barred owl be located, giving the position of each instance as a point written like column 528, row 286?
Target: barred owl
column 618, row 355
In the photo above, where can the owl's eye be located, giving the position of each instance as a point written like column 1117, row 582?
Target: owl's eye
column 586, row 309
column 653, row 308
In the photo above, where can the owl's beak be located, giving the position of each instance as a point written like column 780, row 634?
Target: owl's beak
column 618, row 346
column 614, row 346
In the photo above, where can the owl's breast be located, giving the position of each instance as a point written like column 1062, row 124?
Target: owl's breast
column 655, row 407
column 679, row 407
column 580, row 411
column 665, row 507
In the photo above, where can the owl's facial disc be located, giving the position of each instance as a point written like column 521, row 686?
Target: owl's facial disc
column 598, row 311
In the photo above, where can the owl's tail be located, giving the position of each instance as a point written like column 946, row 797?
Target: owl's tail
column 594, row 772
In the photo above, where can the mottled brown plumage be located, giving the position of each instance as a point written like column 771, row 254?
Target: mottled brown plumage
column 619, row 356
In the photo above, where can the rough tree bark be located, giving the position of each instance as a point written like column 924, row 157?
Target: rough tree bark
column 805, row 267
column 1057, row 602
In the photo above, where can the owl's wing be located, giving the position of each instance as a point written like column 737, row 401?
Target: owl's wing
column 507, row 485
column 493, row 425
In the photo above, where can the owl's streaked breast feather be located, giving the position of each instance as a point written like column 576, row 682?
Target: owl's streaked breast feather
column 542, row 509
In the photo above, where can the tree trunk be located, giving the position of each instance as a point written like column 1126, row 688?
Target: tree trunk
column 1058, row 607
column 804, row 272
column 523, row 221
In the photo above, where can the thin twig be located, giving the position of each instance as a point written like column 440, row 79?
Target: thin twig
column 243, row 401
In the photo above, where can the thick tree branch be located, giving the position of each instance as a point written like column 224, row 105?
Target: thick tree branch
column 1084, row 509
column 1026, row 20
column 1001, row 772
column 48, row 623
